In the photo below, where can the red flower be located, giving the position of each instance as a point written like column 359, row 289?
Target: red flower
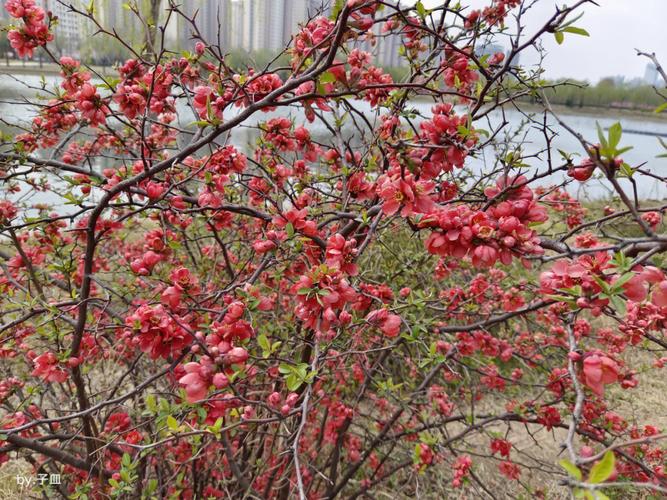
column 48, row 367
column 501, row 446
column 509, row 470
column 34, row 33
column 341, row 254
column 91, row 105
column 389, row 323
column 583, row 171
column 7, row 211
column 659, row 297
column 598, row 371
column 196, row 381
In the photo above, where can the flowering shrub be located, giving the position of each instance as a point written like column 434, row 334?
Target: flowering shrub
column 349, row 303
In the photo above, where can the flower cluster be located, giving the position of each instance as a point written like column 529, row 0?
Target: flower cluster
column 157, row 332
column 486, row 236
column 33, row 33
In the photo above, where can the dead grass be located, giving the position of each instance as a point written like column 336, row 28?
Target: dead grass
column 646, row 404
column 10, row 489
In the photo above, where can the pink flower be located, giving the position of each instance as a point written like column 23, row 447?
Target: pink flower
column 659, row 297
column 47, row 367
column 34, row 32
column 509, row 469
column 7, row 211
column 236, row 356
column 341, row 254
column 91, row 105
column 501, row 446
column 598, row 371
column 396, row 193
column 195, row 381
column 389, row 323
column 171, row 296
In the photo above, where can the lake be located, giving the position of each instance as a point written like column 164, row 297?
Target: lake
column 645, row 147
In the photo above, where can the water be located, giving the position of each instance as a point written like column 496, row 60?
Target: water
column 13, row 91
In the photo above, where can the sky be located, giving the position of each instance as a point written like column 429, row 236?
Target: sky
column 616, row 28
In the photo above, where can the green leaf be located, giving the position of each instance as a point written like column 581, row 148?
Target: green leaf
column 559, row 37
column 264, row 343
column 335, row 10
column 327, row 77
column 576, row 31
column 421, row 10
column 619, row 305
column 623, row 150
column 561, row 298
column 602, row 469
column 661, row 108
column 172, row 423
column 618, row 284
column 293, row 382
column 603, row 284
column 571, row 469
column 284, row 368
column 615, row 132
column 601, row 137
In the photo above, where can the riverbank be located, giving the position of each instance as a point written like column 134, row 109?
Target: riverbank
column 600, row 112
column 21, row 67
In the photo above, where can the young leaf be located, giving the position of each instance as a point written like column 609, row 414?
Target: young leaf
column 420, row 9
column 559, row 37
column 619, row 305
column 602, row 469
column 327, row 77
column 615, row 132
column 576, row 31
column 172, row 423
column 571, row 469
column 601, row 137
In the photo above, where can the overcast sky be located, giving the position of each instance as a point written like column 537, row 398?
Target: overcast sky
column 617, row 27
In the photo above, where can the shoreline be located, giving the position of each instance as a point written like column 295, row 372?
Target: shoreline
column 601, row 112
column 17, row 68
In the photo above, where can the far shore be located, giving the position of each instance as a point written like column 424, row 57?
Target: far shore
column 20, row 67
column 602, row 112
column 32, row 67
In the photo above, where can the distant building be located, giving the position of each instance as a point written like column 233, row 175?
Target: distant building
column 67, row 32
column 266, row 24
column 385, row 47
column 489, row 49
column 319, row 8
column 652, row 76
column 251, row 25
column 212, row 19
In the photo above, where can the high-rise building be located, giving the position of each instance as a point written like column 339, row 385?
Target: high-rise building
column 318, row 8
column 68, row 29
column 251, row 25
column 212, row 18
column 236, row 23
column 652, row 75
column 296, row 12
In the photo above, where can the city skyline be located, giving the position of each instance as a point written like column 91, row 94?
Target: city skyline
column 248, row 25
column 267, row 26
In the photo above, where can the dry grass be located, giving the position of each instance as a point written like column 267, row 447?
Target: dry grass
column 10, row 489
column 643, row 405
